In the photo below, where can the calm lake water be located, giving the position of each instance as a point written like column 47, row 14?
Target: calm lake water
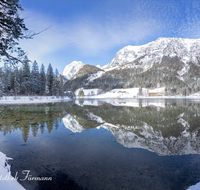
column 104, row 145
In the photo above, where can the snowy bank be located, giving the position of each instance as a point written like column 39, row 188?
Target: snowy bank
column 131, row 93
column 194, row 187
column 31, row 99
column 7, row 182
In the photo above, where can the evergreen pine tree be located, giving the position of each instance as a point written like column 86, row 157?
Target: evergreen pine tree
column 16, row 82
column 35, row 80
column 1, row 89
column 81, row 93
column 1, row 83
column 56, row 84
column 5, row 79
column 42, row 80
column 49, row 80
column 20, row 79
column 11, row 80
column 61, row 93
column 26, row 77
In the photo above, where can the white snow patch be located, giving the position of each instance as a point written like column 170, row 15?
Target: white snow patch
column 183, row 122
column 7, row 182
column 98, row 66
column 71, row 124
column 182, row 71
column 131, row 93
column 88, row 92
column 120, row 93
column 95, row 76
column 181, row 115
column 197, row 94
column 157, row 90
column 87, row 102
column 96, row 118
column 194, row 187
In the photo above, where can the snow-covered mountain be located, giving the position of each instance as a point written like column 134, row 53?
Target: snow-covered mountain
column 71, row 69
column 167, row 62
column 153, row 52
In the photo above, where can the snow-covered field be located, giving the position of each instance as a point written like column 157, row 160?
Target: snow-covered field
column 129, row 93
column 31, row 99
column 7, row 182
column 88, row 92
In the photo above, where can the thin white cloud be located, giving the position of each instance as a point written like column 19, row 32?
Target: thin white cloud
column 86, row 36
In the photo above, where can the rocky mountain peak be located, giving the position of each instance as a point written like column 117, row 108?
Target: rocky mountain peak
column 185, row 49
column 71, row 69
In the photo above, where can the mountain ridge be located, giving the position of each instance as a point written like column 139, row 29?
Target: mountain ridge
column 143, row 66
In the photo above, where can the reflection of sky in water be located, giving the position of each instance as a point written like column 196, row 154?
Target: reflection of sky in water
column 79, row 142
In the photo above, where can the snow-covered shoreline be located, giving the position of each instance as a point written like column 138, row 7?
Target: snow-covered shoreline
column 142, row 97
column 132, row 93
column 7, row 182
column 31, row 99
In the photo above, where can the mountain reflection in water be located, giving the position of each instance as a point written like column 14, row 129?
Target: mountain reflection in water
column 165, row 127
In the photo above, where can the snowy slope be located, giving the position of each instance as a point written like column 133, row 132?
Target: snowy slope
column 71, row 69
column 186, row 49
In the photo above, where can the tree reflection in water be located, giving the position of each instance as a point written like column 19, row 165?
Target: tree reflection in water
column 30, row 119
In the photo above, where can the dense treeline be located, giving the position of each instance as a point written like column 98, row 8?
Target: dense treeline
column 30, row 80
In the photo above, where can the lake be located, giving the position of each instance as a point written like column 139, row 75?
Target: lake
column 104, row 145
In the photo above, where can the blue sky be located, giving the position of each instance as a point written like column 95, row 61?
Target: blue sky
column 92, row 31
